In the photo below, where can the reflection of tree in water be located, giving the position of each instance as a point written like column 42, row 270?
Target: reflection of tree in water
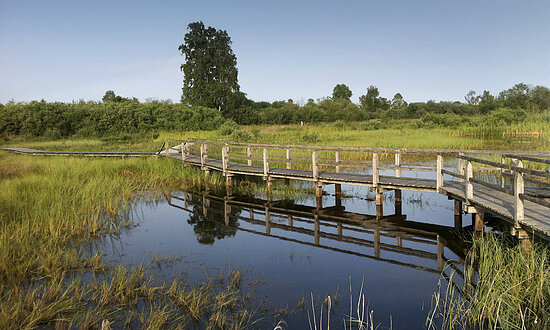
column 213, row 227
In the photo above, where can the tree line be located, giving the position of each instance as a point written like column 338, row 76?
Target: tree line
column 211, row 97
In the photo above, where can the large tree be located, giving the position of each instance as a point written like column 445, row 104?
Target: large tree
column 210, row 68
column 341, row 91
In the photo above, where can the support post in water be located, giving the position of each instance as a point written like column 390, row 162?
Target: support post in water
column 479, row 227
column 375, row 177
column 267, row 219
column 229, row 184
column 440, row 165
column 337, row 186
column 458, row 215
column 398, row 202
column 519, row 190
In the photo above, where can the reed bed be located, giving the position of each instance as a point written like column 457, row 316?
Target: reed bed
column 512, row 290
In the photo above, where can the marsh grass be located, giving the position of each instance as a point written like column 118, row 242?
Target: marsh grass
column 52, row 206
column 512, row 292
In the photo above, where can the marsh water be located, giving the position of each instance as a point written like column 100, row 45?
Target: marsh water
column 292, row 250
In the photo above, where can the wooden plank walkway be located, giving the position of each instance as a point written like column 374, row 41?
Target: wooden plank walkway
column 536, row 217
column 28, row 151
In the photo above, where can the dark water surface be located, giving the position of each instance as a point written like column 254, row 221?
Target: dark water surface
column 291, row 249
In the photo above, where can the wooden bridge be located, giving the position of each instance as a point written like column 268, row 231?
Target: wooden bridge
column 517, row 189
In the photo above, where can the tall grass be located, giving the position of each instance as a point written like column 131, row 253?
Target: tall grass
column 512, row 292
column 51, row 206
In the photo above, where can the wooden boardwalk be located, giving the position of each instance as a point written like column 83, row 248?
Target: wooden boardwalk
column 527, row 209
column 28, row 151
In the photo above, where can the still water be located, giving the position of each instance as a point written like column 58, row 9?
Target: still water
column 290, row 250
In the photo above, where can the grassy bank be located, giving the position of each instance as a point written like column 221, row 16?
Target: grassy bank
column 512, row 292
column 51, row 207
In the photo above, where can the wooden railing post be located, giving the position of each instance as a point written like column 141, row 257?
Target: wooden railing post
column 266, row 163
column 375, row 176
column 519, row 189
column 337, row 160
column 288, row 159
column 460, row 166
column 503, row 162
column 314, row 166
column 249, row 155
column 398, row 164
column 166, row 147
column 440, row 166
column 468, row 185
column 224, row 159
column 183, row 147
column 203, row 155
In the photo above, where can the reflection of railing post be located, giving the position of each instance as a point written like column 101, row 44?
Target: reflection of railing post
column 317, row 229
column 267, row 220
column 519, row 189
column 440, row 250
column 440, row 167
column 377, row 243
column 375, row 177
column 227, row 211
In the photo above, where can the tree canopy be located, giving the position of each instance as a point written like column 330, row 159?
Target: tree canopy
column 210, row 68
column 341, row 91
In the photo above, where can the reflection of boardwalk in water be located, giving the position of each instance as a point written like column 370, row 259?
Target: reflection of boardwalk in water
column 391, row 238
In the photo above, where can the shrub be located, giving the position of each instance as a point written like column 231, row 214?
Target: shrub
column 228, row 127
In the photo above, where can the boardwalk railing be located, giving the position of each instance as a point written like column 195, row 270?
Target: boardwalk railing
column 362, row 166
column 516, row 171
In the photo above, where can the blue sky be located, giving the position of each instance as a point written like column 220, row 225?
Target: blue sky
column 71, row 50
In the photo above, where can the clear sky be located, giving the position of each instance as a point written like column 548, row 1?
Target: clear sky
column 437, row 49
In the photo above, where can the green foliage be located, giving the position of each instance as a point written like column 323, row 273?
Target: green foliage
column 341, row 91
column 210, row 68
column 228, row 127
column 59, row 120
column 310, row 137
column 506, row 116
column 241, row 136
column 372, row 124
